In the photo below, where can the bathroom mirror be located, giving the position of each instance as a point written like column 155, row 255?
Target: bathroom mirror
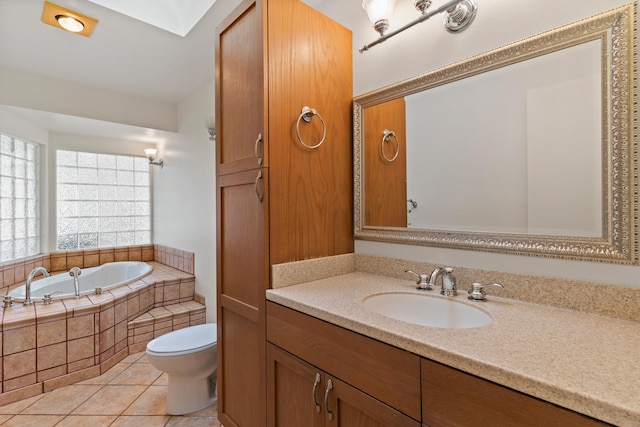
column 528, row 149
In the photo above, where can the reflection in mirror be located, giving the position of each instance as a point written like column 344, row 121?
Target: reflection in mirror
column 526, row 149
column 536, row 172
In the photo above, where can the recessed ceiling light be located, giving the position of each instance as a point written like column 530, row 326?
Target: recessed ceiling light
column 70, row 23
column 68, row 20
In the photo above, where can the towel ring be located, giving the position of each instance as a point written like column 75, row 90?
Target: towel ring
column 306, row 115
column 387, row 136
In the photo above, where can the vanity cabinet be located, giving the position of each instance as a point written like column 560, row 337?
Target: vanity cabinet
column 277, row 201
column 372, row 383
column 375, row 384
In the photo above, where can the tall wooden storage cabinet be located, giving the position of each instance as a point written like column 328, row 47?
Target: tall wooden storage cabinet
column 277, row 201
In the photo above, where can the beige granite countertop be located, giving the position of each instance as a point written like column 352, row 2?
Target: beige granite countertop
column 585, row 362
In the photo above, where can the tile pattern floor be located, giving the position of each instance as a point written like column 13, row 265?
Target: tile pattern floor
column 132, row 393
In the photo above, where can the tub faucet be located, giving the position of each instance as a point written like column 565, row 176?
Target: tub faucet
column 27, row 286
column 75, row 272
column 448, row 280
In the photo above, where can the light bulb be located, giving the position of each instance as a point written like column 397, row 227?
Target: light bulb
column 69, row 23
column 378, row 10
column 150, row 153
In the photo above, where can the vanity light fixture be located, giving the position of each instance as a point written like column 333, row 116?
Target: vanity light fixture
column 151, row 155
column 459, row 15
column 67, row 19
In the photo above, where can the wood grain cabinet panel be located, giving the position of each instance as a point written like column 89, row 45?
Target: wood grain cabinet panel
column 300, row 394
column 388, row 374
column 277, row 201
column 240, row 90
column 454, row 398
column 243, row 269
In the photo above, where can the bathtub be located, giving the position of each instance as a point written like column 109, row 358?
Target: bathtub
column 107, row 276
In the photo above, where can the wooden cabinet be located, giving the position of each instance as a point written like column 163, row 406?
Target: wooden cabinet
column 300, row 394
column 243, row 269
column 372, row 383
column 277, row 201
column 454, row 398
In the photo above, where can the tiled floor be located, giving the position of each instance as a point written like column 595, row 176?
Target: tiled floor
column 132, row 393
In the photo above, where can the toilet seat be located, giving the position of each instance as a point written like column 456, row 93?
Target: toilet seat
column 184, row 341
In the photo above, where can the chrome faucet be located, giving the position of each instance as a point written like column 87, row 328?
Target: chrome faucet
column 75, row 272
column 448, row 280
column 27, row 286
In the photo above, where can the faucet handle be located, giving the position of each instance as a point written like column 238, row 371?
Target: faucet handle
column 74, row 271
column 7, row 301
column 477, row 293
column 422, row 282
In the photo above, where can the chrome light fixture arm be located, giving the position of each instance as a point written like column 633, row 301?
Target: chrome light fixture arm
column 460, row 14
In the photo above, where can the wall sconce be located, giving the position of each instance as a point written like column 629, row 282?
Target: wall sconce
column 151, row 155
column 459, row 15
column 212, row 134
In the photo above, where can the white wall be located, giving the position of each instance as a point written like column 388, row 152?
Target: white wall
column 428, row 46
column 184, row 191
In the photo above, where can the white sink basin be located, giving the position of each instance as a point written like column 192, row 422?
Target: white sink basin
column 427, row 310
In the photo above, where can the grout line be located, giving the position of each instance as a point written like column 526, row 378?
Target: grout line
column 206, row 420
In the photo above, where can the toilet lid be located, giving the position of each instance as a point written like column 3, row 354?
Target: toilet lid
column 182, row 340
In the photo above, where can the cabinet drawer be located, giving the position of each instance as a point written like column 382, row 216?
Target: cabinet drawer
column 454, row 398
column 387, row 373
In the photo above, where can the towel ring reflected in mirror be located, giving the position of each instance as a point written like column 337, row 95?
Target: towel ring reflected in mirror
column 386, row 138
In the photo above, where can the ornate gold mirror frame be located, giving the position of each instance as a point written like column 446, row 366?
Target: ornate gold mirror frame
column 618, row 243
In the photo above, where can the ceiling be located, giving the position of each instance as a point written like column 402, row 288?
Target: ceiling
column 124, row 54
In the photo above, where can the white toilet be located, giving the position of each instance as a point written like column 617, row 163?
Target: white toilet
column 188, row 357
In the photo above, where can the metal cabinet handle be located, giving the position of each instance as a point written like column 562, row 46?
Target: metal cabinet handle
column 258, row 192
column 326, row 399
column 255, row 149
column 313, row 393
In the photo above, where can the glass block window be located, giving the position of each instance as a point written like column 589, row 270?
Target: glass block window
column 103, row 200
column 19, row 190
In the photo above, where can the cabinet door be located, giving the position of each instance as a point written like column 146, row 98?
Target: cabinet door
column 240, row 90
column 454, row 398
column 299, row 394
column 243, row 267
column 386, row 373
column 347, row 406
column 294, row 392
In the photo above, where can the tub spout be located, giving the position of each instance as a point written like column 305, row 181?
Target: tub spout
column 27, row 286
column 75, row 272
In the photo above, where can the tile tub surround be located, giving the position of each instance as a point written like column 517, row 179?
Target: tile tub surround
column 15, row 273
column 45, row 347
column 584, row 362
